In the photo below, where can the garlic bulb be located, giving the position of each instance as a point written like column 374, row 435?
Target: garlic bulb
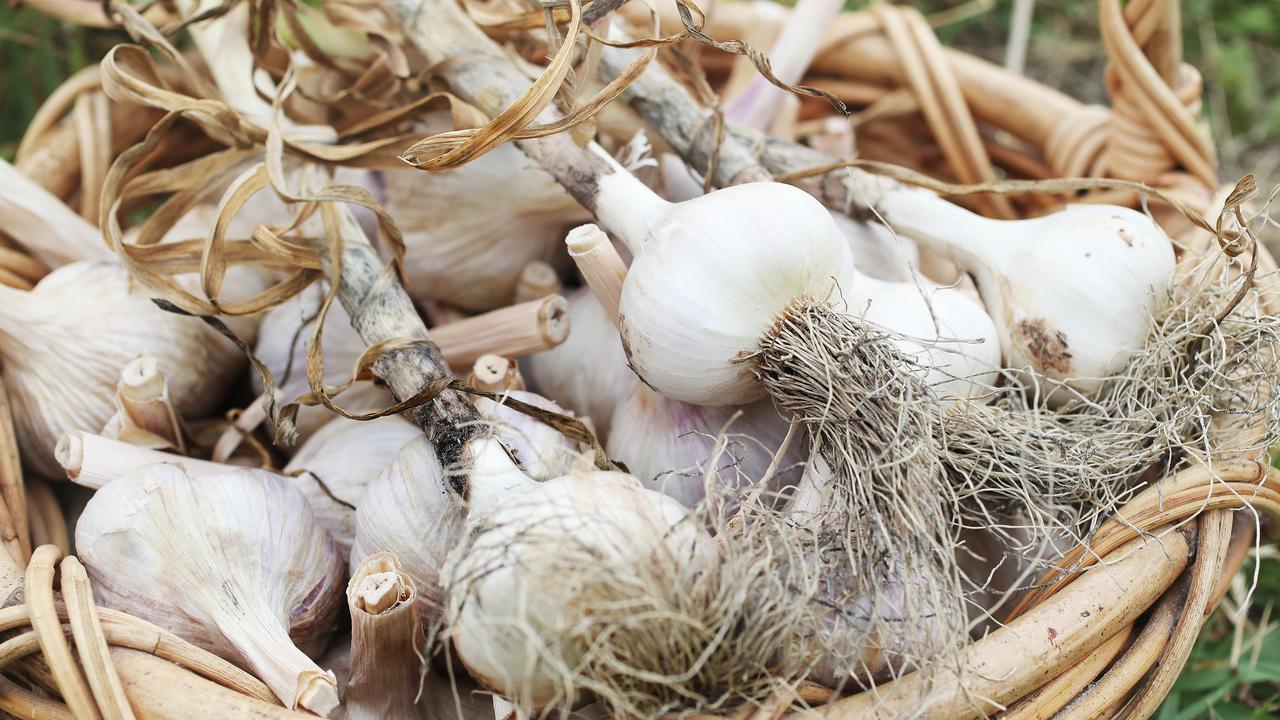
column 877, row 251
column 466, row 246
column 668, row 444
column 65, row 342
column 1073, row 293
column 234, row 563
column 588, row 372
column 336, row 464
column 539, row 449
column 387, row 642
column 515, row 586
column 283, row 339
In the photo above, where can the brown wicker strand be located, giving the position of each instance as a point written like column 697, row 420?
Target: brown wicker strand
column 48, row 630
column 13, row 496
column 91, row 643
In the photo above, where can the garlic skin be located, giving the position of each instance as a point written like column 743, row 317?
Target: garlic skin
column 466, row 246
column 283, row 338
column 234, row 563
column 510, row 600
column 336, row 464
column 410, row 512
column 1073, row 294
column 667, row 443
column 65, row 342
column 539, row 449
column 877, row 251
column 588, row 372
column 711, row 274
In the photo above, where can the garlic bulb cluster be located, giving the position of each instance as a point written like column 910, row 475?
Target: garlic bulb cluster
column 466, row 246
column 588, row 372
column 65, row 342
column 1055, row 333
column 283, row 339
column 234, row 563
column 515, row 586
column 671, row 446
column 336, row 464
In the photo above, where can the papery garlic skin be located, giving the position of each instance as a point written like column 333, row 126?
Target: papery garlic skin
column 335, row 465
column 709, row 277
column 877, row 251
column 234, row 563
column 510, row 599
column 283, row 340
column 667, row 445
column 588, row 372
column 65, row 342
column 539, row 449
column 470, row 231
column 1073, row 293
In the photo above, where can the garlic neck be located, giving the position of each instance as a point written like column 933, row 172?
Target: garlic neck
column 972, row 242
column 492, row 476
column 266, row 648
column 625, row 206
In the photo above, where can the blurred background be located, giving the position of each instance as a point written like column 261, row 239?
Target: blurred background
column 1234, row 672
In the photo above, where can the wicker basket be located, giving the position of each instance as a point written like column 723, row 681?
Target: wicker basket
column 1100, row 642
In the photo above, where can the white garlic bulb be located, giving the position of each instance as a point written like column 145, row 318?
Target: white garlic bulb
column 588, row 372
column 283, row 338
column 513, row 587
column 669, row 444
column 539, row 449
column 234, row 563
column 336, row 464
column 1073, row 294
column 470, row 231
column 877, row 251
column 65, row 342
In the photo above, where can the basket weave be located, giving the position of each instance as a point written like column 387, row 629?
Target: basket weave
column 1092, row 643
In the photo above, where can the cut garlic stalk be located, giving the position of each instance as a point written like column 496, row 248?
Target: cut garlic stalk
column 92, row 461
column 144, row 415
column 537, row 280
column 387, row 643
column 495, row 373
column 336, row 464
column 514, row 331
column 515, row 586
column 65, row 342
column 600, row 264
column 234, row 563
column 1073, row 293
column 588, row 372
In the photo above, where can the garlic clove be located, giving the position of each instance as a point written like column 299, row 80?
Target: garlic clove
column 588, row 372
column 234, row 563
column 335, row 465
column 514, row 586
column 672, row 446
column 65, row 342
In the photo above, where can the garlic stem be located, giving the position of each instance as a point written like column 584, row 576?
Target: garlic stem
column 387, row 642
column 495, row 373
column 537, row 280
column 600, row 264
column 513, row 331
column 144, row 414
column 43, row 225
column 625, row 205
column 253, row 415
column 93, row 460
column 759, row 102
